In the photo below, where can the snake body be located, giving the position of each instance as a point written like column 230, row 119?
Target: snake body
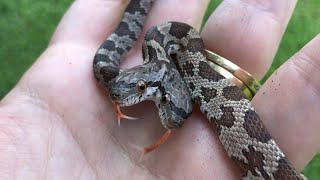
column 175, row 73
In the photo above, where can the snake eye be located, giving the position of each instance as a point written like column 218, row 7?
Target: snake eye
column 141, row 86
column 165, row 99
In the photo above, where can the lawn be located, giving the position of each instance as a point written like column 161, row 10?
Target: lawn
column 26, row 26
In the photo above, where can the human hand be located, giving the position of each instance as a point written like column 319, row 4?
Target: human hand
column 58, row 123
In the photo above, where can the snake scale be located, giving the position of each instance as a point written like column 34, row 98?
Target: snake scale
column 175, row 74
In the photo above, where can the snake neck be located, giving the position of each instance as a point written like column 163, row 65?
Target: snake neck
column 113, row 50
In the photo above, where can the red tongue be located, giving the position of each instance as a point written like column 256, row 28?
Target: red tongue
column 158, row 143
column 151, row 147
column 121, row 115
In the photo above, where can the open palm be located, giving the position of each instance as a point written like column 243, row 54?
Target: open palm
column 58, row 123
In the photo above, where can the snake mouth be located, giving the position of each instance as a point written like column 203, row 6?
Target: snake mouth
column 172, row 125
column 119, row 99
column 125, row 102
column 122, row 104
column 172, row 122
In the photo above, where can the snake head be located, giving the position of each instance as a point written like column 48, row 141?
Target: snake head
column 157, row 83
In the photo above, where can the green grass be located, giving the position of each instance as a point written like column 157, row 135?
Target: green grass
column 26, row 26
column 25, row 29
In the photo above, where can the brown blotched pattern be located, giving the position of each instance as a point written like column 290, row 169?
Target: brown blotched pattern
column 257, row 160
column 188, row 67
column 285, row 171
column 227, row 119
column 254, row 127
column 208, row 93
column 205, row 72
column 240, row 129
column 232, row 93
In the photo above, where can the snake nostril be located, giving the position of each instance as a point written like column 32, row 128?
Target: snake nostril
column 115, row 95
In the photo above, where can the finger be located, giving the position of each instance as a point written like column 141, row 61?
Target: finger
column 248, row 32
column 289, row 104
column 89, row 21
column 191, row 12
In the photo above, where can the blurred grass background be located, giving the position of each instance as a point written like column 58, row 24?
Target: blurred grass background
column 26, row 26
